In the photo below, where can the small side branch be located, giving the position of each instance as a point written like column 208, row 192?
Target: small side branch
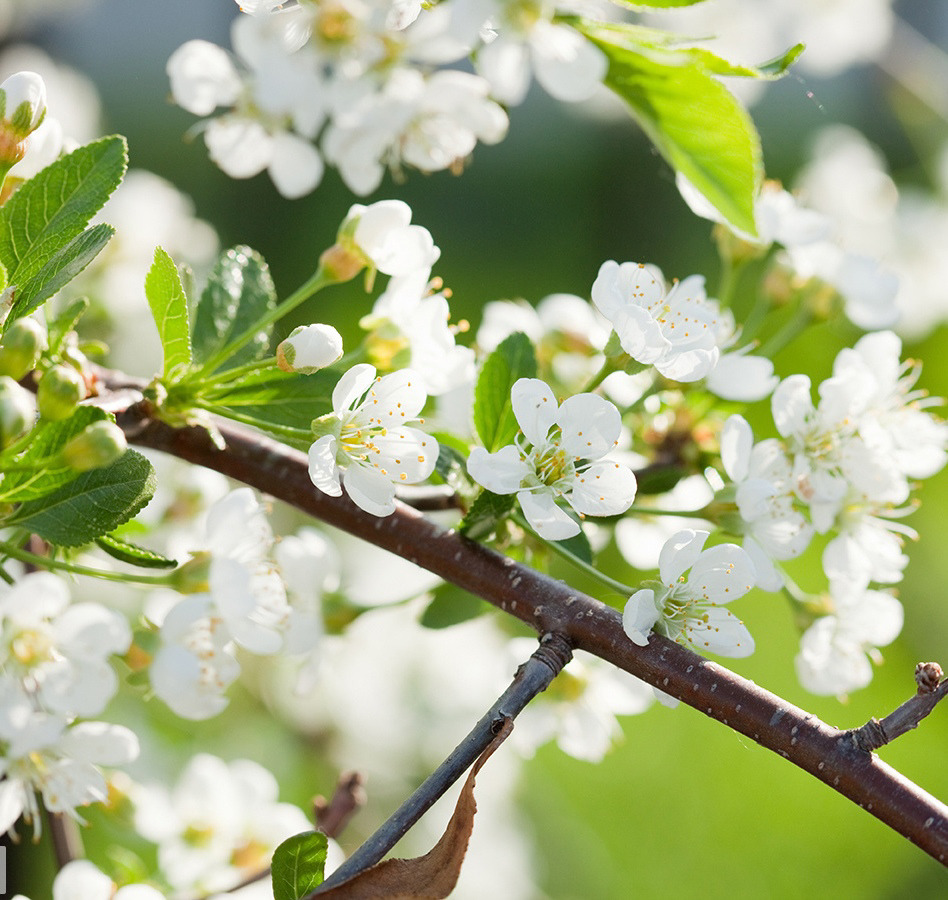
column 532, row 678
column 932, row 687
column 348, row 798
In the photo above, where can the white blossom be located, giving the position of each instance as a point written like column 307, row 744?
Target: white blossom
column 369, row 437
column 833, row 650
column 561, row 458
column 691, row 610
column 60, row 649
column 409, row 325
column 235, row 809
column 384, row 238
column 673, row 330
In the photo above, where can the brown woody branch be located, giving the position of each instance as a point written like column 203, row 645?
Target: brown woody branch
column 547, row 605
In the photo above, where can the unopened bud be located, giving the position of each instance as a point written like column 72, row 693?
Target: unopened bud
column 98, row 446
column 23, row 103
column 17, row 410
column 194, row 577
column 22, row 110
column 21, row 347
column 59, row 392
column 309, row 348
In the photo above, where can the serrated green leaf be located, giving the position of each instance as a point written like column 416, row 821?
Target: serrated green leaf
column 692, row 119
column 48, row 439
column 278, row 398
column 124, row 551
column 239, row 292
column 91, row 504
column 514, row 358
column 64, row 265
column 49, row 211
column 451, row 606
column 484, row 513
column 169, row 307
column 299, row 865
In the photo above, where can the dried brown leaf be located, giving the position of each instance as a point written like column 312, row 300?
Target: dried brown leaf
column 434, row 875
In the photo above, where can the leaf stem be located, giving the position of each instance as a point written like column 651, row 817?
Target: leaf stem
column 47, row 562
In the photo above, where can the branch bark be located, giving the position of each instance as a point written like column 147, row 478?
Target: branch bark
column 827, row 753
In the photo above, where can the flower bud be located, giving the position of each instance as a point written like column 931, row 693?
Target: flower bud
column 23, row 103
column 309, row 348
column 59, row 392
column 21, row 347
column 22, row 110
column 17, row 410
column 98, row 446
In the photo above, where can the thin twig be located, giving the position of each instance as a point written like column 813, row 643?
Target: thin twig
column 877, row 733
column 65, row 838
column 533, row 677
column 548, row 605
column 348, row 798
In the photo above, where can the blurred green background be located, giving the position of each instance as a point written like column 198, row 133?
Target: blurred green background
column 683, row 807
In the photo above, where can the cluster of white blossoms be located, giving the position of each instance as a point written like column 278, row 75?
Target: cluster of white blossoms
column 367, row 83
column 842, row 467
column 241, row 602
column 54, row 657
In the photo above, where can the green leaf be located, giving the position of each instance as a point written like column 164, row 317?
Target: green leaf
column 298, row 865
column 90, row 505
column 658, row 4
column 47, row 440
column 450, row 463
column 514, row 358
column 239, row 292
column 124, row 551
column 277, row 397
column 484, row 513
column 578, row 546
column 65, row 322
column 64, row 265
column 691, row 118
column 169, row 306
column 51, row 210
column 451, row 606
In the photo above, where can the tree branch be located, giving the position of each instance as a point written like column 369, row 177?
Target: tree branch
column 547, row 605
column 533, row 677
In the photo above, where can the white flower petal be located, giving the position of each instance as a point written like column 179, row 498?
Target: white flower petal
column 295, row 165
column 603, row 489
column 535, row 408
column 545, row 517
column 722, row 573
column 323, row 471
column 370, row 490
column 351, row 387
column 590, row 425
column 720, row 631
column 501, row 472
column 737, row 439
column 240, row 146
column 640, row 616
column 679, row 553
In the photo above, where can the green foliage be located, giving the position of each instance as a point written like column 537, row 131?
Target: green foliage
column 126, row 552
column 451, row 606
column 450, row 463
column 578, row 546
column 91, row 504
column 298, row 865
column 691, row 118
column 64, row 323
column 44, row 242
column 275, row 397
column 169, row 306
column 514, row 358
column 486, row 510
column 239, row 292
